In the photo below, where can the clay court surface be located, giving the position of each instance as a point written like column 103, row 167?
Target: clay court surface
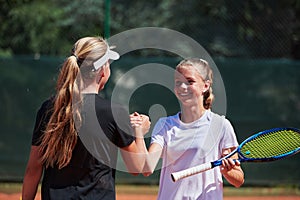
column 133, row 192
column 16, row 196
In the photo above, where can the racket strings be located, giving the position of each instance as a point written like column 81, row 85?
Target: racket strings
column 272, row 144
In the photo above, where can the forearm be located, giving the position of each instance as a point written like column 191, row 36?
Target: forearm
column 148, row 159
column 134, row 154
column 30, row 184
column 141, row 155
column 140, row 142
column 231, row 169
column 33, row 174
column 235, row 176
column 152, row 158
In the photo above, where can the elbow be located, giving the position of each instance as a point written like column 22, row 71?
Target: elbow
column 148, row 170
column 138, row 172
column 134, row 174
column 134, row 170
column 146, row 174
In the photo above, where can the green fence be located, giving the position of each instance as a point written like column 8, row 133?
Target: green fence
column 261, row 94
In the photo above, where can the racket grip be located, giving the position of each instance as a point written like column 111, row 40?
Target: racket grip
column 190, row 171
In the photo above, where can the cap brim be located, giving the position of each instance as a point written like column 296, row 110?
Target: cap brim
column 109, row 55
column 113, row 55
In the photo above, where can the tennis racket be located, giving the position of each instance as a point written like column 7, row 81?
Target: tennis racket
column 265, row 146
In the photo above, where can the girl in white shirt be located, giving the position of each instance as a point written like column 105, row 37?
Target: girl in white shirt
column 193, row 136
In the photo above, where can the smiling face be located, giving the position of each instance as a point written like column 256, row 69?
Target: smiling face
column 190, row 85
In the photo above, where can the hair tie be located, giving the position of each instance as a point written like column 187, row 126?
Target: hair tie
column 78, row 60
column 75, row 56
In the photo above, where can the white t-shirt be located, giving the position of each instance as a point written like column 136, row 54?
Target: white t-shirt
column 189, row 144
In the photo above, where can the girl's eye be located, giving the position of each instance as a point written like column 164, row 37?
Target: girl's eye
column 188, row 82
column 191, row 82
column 178, row 83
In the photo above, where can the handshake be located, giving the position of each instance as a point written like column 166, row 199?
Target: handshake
column 141, row 123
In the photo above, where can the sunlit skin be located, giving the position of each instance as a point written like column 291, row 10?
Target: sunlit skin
column 189, row 88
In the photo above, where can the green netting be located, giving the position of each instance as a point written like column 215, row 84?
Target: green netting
column 261, row 94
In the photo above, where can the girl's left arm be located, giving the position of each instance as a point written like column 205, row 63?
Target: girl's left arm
column 231, row 169
column 32, row 175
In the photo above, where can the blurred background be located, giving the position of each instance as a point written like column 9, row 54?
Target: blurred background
column 255, row 45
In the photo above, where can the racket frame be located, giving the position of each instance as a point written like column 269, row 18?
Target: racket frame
column 241, row 158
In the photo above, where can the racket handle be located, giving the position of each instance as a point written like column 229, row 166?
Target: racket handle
column 190, row 171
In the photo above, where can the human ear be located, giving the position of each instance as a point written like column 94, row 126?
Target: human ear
column 206, row 85
column 100, row 75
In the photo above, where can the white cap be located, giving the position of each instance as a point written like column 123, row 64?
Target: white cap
column 109, row 55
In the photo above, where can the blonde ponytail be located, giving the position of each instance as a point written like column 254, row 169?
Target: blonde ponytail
column 60, row 137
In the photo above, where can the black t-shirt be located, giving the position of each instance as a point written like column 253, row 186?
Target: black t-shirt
column 91, row 171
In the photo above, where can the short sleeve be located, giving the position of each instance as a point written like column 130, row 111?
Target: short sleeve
column 229, row 137
column 158, row 132
column 124, row 134
column 42, row 118
column 114, row 121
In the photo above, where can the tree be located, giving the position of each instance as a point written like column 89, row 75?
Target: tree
column 249, row 28
column 48, row 27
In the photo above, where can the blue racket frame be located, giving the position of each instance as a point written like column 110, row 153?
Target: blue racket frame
column 242, row 158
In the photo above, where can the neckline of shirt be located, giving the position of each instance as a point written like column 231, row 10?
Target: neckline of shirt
column 203, row 119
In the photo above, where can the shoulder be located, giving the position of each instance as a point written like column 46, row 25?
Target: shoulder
column 47, row 104
column 165, row 123
column 222, row 123
column 42, row 118
column 169, row 120
column 228, row 136
column 211, row 114
column 108, row 104
column 222, row 118
column 45, row 108
column 108, row 112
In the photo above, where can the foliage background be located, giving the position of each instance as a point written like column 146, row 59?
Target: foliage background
column 251, row 28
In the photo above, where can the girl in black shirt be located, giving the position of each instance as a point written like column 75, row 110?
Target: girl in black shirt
column 77, row 133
